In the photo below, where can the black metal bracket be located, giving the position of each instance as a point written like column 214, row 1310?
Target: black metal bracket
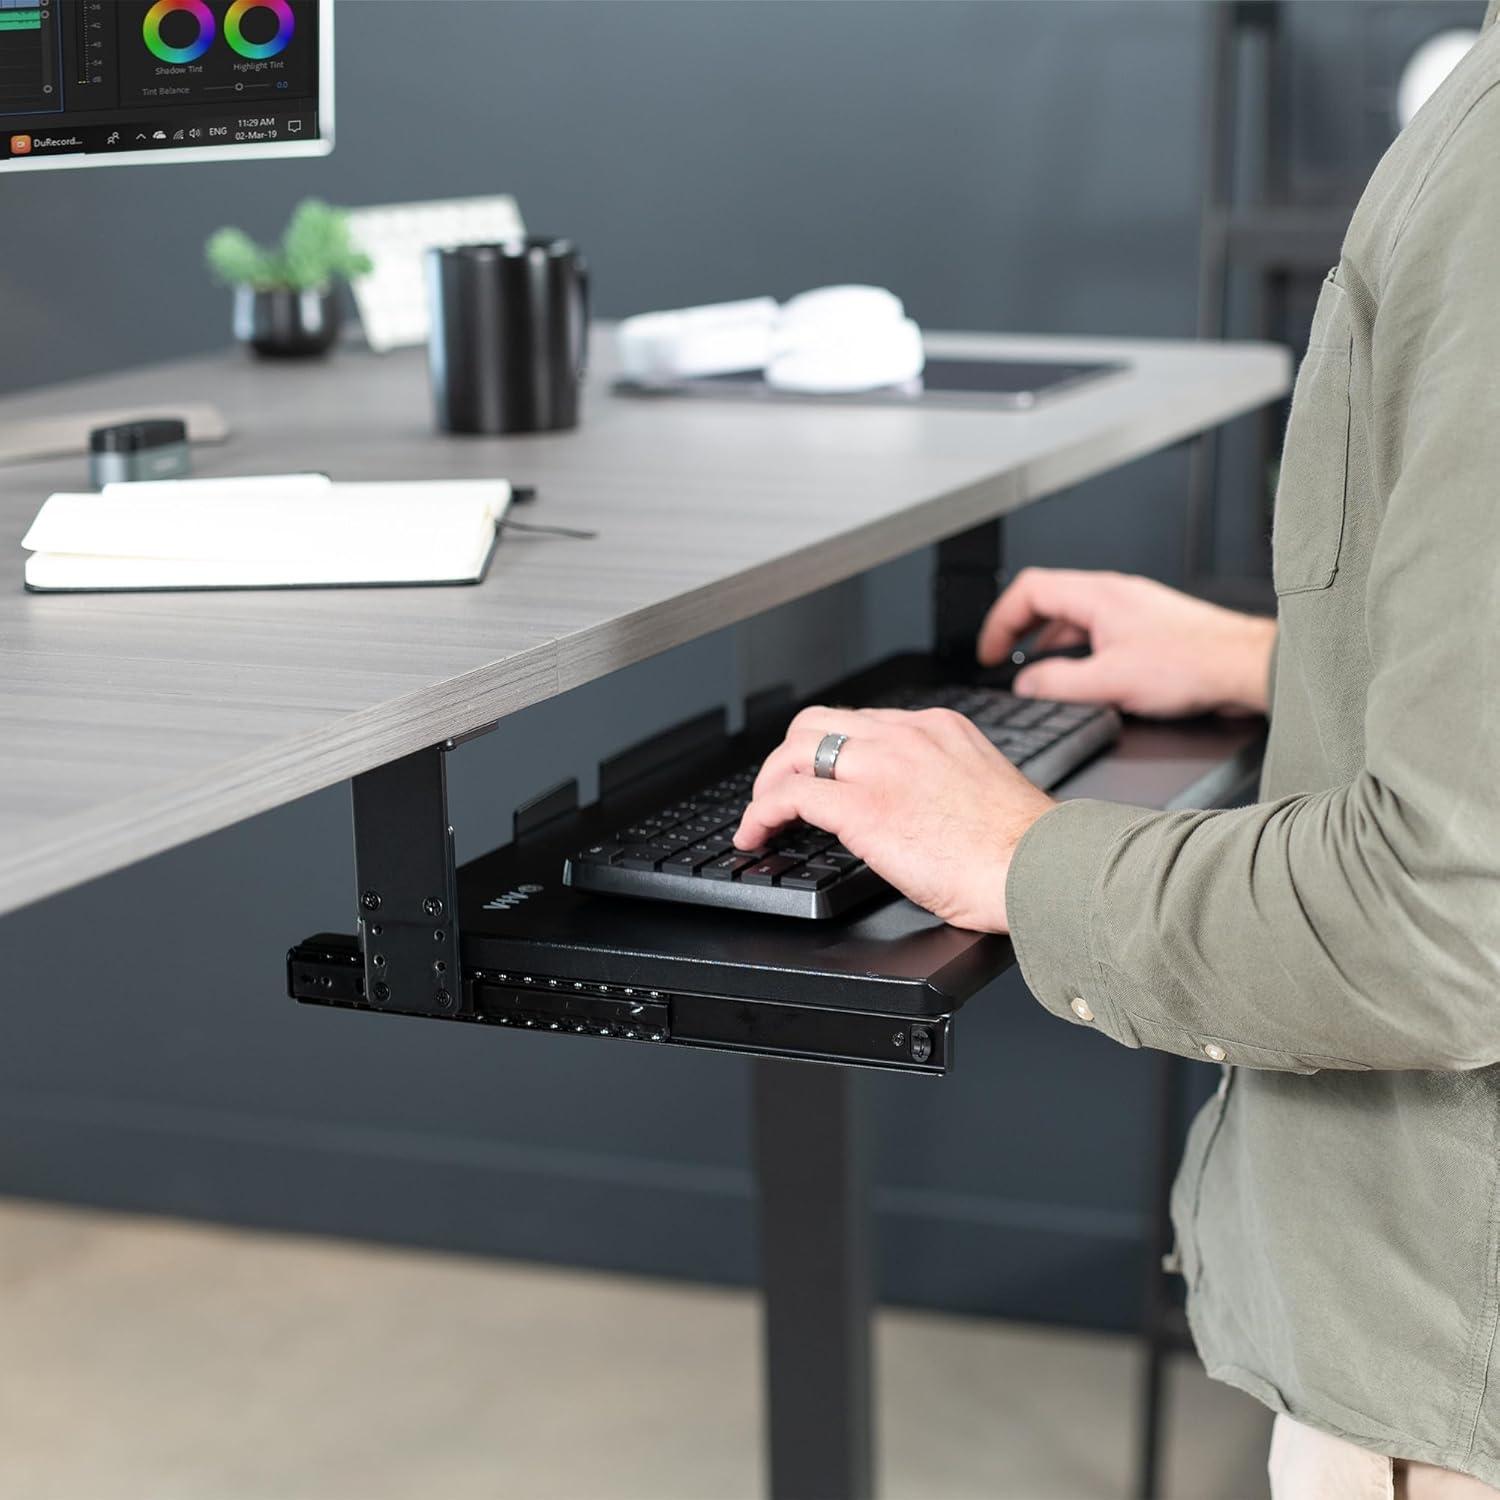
column 970, row 573
column 408, row 886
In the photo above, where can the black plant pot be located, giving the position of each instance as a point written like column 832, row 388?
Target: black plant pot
column 285, row 324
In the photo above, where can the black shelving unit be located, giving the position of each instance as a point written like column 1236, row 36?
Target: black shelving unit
column 1251, row 236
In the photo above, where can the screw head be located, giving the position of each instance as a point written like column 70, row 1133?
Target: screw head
column 370, row 901
column 378, row 960
column 433, row 907
column 899, row 1039
column 921, row 1044
column 444, row 999
column 382, row 992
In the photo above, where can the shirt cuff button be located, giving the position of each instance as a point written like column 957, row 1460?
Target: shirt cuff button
column 1080, row 1008
column 1213, row 1050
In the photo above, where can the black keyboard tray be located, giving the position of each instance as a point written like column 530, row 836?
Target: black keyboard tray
column 878, row 988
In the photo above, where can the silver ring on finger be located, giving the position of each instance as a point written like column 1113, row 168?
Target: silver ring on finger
column 826, row 756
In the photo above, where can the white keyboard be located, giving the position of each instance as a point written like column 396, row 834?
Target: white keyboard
column 392, row 299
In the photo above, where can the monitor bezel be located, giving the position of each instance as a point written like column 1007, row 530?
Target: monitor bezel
column 321, row 145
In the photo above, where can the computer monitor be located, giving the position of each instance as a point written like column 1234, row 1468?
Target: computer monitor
column 87, row 83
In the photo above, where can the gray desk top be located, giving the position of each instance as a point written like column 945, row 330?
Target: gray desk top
column 133, row 723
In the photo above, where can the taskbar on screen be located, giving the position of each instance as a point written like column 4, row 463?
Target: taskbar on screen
column 247, row 129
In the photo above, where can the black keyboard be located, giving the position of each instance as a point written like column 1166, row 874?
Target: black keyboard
column 684, row 851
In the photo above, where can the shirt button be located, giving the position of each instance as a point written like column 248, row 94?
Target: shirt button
column 1080, row 1008
column 1213, row 1050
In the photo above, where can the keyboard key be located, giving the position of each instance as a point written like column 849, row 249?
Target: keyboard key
column 811, row 877
column 641, row 857
column 726, row 866
column 598, row 854
column 768, row 871
column 1028, row 714
column 686, row 863
column 1027, row 744
column 644, row 831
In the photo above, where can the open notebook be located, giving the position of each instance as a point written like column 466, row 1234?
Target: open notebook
column 273, row 531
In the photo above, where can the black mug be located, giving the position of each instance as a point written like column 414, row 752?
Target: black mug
column 509, row 335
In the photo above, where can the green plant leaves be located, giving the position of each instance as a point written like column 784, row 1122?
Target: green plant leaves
column 315, row 251
column 234, row 257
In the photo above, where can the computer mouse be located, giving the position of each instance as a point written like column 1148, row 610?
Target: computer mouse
column 1003, row 674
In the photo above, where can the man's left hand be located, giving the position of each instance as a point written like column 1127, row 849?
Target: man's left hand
column 923, row 798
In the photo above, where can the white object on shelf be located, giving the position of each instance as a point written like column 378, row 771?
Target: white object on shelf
column 392, row 299
column 1427, row 67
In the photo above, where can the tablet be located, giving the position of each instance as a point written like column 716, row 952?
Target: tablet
column 1009, row 384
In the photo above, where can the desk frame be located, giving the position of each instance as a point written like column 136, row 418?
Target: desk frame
column 809, row 1126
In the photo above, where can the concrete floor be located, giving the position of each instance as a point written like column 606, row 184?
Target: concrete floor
column 149, row 1360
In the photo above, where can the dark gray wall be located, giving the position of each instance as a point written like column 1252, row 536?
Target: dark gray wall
column 1020, row 166
column 1003, row 165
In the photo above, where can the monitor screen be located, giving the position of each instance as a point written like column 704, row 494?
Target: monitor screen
column 87, row 83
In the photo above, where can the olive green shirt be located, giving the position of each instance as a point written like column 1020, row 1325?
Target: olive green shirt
column 1338, row 943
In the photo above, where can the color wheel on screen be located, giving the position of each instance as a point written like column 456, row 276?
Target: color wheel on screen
column 234, row 32
column 185, row 50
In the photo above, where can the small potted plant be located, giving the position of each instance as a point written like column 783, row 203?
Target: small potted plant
column 286, row 299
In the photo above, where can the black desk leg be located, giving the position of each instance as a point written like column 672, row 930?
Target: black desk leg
column 811, row 1163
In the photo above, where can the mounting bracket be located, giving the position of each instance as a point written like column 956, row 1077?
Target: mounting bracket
column 408, row 886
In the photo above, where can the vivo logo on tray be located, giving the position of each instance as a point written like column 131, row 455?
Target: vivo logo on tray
column 513, row 898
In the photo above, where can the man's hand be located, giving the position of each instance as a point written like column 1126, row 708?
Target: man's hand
column 929, row 804
column 923, row 798
column 1154, row 651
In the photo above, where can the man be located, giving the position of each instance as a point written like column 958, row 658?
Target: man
column 1336, row 946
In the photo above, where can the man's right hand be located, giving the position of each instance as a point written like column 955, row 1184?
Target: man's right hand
column 1155, row 651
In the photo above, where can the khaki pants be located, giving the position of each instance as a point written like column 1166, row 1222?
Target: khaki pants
column 1310, row 1465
